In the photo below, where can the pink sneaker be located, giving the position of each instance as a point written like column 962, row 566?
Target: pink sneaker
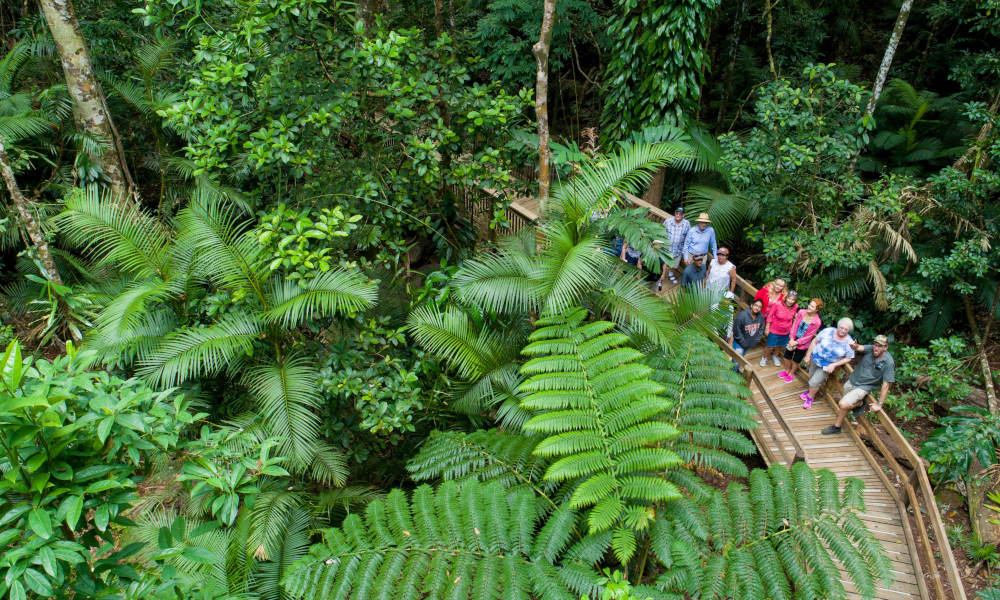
column 808, row 400
column 782, row 375
column 789, row 378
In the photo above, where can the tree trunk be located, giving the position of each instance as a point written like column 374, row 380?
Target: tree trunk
column 883, row 70
column 655, row 193
column 541, row 52
column 90, row 111
column 28, row 220
column 439, row 17
column 768, row 7
column 890, row 52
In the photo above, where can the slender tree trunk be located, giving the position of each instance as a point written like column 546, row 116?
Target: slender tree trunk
column 439, row 17
column 28, row 220
column 541, row 52
column 768, row 8
column 655, row 193
column 883, row 70
column 90, row 111
column 890, row 53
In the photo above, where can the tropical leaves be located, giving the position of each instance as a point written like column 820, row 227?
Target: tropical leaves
column 781, row 539
column 472, row 541
column 148, row 322
column 599, row 411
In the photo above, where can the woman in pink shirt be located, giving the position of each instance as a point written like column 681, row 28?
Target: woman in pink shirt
column 779, row 323
column 807, row 323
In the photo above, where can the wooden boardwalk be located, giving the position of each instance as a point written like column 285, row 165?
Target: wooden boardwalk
column 842, row 454
column 794, row 434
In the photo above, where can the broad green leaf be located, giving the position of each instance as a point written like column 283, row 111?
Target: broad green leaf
column 40, row 522
column 199, row 555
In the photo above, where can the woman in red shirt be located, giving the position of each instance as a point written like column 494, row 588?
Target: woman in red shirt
column 779, row 325
column 773, row 292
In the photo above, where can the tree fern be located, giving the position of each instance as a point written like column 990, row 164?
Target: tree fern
column 484, row 455
column 475, row 541
column 710, row 407
column 786, row 537
column 601, row 414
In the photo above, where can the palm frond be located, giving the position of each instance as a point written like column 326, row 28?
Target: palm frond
column 728, row 211
column 213, row 231
column 200, row 351
column 628, row 170
column 504, row 282
column 287, row 397
column 340, row 291
column 635, row 308
column 115, row 232
column 19, row 127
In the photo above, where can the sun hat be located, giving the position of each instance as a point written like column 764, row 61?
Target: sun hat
column 703, row 218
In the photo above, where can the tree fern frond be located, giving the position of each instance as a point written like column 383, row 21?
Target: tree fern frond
column 485, row 455
column 433, row 545
column 600, row 414
column 798, row 547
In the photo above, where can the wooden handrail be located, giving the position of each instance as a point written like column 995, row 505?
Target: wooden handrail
column 525, row 212
column 926, row 492
column 799, row 454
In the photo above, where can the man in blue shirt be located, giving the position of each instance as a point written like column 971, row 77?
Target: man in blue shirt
column 700, row 238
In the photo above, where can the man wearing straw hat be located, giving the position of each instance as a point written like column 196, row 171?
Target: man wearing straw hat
column 700, row 238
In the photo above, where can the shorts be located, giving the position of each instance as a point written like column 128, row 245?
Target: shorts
column 774, row 340
column 817, row 376
column 852, row 395
column 796, row 355
column 674, row 262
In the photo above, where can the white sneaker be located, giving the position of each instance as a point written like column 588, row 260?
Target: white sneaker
column 763, row 361
column 777, row 361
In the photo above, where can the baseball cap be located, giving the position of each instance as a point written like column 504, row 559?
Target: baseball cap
column 881, row 340
column 679, row 209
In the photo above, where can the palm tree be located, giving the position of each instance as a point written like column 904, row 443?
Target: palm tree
column 153, row 323
column 499, row 295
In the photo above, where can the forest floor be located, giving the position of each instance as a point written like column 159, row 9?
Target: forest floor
column 954, row 513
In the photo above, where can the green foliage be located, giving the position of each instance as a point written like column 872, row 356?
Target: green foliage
column 755, row 543
column 507, row 29
column 300, row 245
column 470, row 541
column 658, row 63
column 933, row 375
column 155, row 322
column 916, row 131
column 376, row 389
column 278, row 97
column 710, row 408
column 72, row 443
column 601, row 415
column 968, row 434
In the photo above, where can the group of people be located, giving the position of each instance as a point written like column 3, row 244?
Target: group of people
column 793, row 335
column 798, row 336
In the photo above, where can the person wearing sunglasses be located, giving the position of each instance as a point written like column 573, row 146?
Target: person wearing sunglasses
column 877, row 369
column 721, row 275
